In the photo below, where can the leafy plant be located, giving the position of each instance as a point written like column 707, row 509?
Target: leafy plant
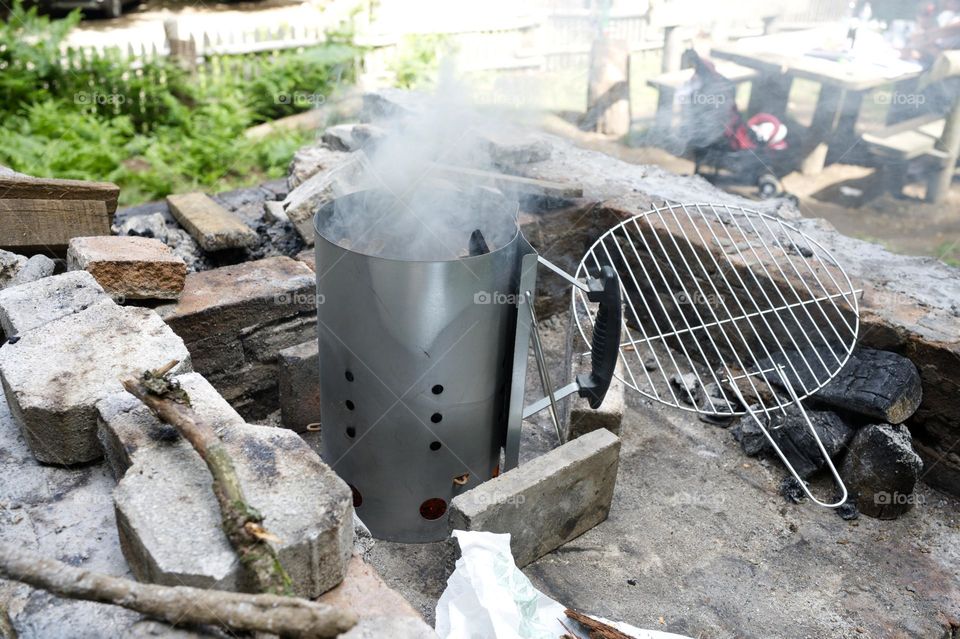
column 417, row 60
column 148, row 125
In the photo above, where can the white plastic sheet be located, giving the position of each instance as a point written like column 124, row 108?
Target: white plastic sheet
column 487, row 597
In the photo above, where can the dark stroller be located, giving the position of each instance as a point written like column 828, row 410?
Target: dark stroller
column 718, row 135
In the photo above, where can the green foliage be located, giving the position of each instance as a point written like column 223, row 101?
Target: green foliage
column 417, row 60
column 949, row 253
column 150, row 126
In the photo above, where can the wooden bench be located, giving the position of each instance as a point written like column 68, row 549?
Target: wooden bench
column 667, row 84
column 897, row 145
column 932, row 139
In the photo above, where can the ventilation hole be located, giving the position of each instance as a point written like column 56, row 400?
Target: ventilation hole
column 433, row 508
column 461, row 480
column 351, row 432
column 437, row 389
column 434, row 445
column 436, row 418
column 348, row 404
column 349, row 376
column 357, row 497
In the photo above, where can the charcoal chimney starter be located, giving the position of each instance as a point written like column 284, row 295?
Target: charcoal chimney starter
column 423, row 361
column 415, row 364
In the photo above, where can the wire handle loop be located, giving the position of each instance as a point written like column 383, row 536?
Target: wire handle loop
column 823, row 450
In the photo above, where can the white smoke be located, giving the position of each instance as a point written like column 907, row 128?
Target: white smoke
column 409, row 198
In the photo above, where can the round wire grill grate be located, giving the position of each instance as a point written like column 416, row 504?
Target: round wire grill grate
column 719, row 295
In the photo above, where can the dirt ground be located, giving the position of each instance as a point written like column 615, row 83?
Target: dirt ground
column 699, row 543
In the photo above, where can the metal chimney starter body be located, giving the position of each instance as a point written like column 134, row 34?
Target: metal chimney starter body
column 416, row 367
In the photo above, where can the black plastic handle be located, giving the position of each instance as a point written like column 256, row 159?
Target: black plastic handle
column 606, row 336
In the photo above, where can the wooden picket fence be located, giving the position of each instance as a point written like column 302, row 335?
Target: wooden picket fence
column 91, row 72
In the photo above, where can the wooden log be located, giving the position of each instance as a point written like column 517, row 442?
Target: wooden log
column 40, row 225
column 285, row 616
column 513, row 184
column 20, row 187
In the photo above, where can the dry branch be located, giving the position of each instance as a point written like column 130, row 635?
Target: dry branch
column 596, row 629
column 286, row 616
column 242, row 523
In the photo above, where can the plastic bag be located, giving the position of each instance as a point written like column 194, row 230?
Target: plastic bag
column 488, row 597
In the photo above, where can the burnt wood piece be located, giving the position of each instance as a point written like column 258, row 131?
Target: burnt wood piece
column 48, row 225
column 42, row 215
column 792, row 435
column 881, row 469
column 19, row 187
column 877, row 384
column 478, row 244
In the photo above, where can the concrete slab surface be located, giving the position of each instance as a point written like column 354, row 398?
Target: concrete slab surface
column 698, row 542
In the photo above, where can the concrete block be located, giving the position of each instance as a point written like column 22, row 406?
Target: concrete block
column 263, row 342
column 35, row 268
column 169, row 520
column 547, row 502
column 363, row 592
column 299, row 385
column 222, row 301
column 127, row 427
column 54, row 377
column 10, row 265
column 213, row 227
column 393, row 627
column 28, row 306
column 216, row 353
column 129, row 267
column 308, row 257
column 584, row 419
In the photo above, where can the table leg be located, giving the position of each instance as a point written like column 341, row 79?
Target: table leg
column 664, row 117
column 824, row 124
column 770, row 94
column 844, row 137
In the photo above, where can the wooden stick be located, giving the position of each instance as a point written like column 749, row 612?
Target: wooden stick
column 241, row 521
column 287, row 616
column 596, row 629
column 509, row 183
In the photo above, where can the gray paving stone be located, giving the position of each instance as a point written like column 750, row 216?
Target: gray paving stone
column 546, row 502
column 28, row 306
column 54, row 377
column 300, row 385
column 609, row 415
column 169, row 520
column 35, row 268
column 127, row 427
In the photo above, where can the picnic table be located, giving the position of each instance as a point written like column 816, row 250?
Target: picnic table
column 818, row 55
